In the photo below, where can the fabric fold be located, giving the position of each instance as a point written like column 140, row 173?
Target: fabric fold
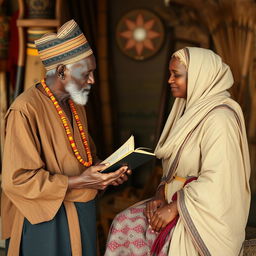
column 25, row 182
column 205, row 136
column 35, row 186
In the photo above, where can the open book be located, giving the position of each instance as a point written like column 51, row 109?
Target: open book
column 127, row 155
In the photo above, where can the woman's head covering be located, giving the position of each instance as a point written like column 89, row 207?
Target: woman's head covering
column 68, row 46
column 207, row 84
column 182, row 56
column 208, row 76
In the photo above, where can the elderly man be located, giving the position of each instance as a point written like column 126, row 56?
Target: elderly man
column 50, row 169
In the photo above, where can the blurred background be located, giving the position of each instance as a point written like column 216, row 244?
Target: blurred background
column 133, row 41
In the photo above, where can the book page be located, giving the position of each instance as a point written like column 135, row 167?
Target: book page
column 126, row 148
column 144, row 148
column 143, row 151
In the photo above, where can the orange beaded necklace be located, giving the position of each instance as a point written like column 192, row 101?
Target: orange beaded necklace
column 67, row 129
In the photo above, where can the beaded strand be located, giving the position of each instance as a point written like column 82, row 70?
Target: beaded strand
column 67, row 129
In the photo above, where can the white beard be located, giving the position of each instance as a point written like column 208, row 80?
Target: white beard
column 80, row 97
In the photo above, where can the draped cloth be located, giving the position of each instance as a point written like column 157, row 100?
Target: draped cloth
column 208, row 81
column 204, row 137
column 37, row 161
column 218, row 175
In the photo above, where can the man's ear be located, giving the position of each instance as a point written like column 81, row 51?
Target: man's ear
column 60, row 71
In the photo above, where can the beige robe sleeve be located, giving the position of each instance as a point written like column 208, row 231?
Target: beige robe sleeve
column 214, row 209
column 37, row 193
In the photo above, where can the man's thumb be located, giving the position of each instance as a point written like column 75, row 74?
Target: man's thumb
column 101, row 167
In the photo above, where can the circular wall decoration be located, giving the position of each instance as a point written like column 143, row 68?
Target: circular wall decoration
column 140, row 34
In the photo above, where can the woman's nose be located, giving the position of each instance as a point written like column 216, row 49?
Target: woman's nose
column 170, row 80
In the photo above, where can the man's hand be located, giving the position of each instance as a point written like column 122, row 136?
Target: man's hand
column 94, row 179
column 122, row 179
column 163, row 216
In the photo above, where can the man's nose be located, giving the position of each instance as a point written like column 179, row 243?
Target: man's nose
column 91, row 78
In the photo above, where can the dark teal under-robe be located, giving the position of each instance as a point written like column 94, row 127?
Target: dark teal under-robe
column 51, row 238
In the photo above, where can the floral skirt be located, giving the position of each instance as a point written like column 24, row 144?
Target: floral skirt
column 130, row 234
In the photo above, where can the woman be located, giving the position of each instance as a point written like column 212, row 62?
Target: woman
column 202, row 204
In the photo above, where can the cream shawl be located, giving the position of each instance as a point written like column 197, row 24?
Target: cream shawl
column 208, row 81
column 214, row 209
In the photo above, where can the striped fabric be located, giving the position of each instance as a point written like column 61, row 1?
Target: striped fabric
column 69, row 45
column 32, row 35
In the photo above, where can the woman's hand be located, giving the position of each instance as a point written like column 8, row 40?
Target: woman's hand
column 163, row 216
column 152, row 206
column 156, row 202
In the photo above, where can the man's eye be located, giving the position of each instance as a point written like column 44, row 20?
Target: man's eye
column 177, row 75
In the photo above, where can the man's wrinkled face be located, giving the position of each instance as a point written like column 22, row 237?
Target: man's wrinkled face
column 80, row 79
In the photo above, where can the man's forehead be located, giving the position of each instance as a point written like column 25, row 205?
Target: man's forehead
column 88, row 62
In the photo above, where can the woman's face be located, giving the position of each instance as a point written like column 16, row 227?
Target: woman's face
column 178, row 78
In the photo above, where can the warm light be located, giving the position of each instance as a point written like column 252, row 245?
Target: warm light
column 139, row 34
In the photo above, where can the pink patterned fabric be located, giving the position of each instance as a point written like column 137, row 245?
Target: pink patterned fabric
column 130, row 235
column 160, row 240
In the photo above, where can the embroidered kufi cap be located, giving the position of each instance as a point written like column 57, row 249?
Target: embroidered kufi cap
column 69, row 45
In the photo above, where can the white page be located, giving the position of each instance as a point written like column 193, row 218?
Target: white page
column 126, row 148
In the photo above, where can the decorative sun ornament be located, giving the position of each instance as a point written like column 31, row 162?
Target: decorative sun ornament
column 140, row 34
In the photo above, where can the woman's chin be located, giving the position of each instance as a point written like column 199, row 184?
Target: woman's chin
column 177, row 95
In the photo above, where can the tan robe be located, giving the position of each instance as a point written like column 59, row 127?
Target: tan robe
column 37, row 161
